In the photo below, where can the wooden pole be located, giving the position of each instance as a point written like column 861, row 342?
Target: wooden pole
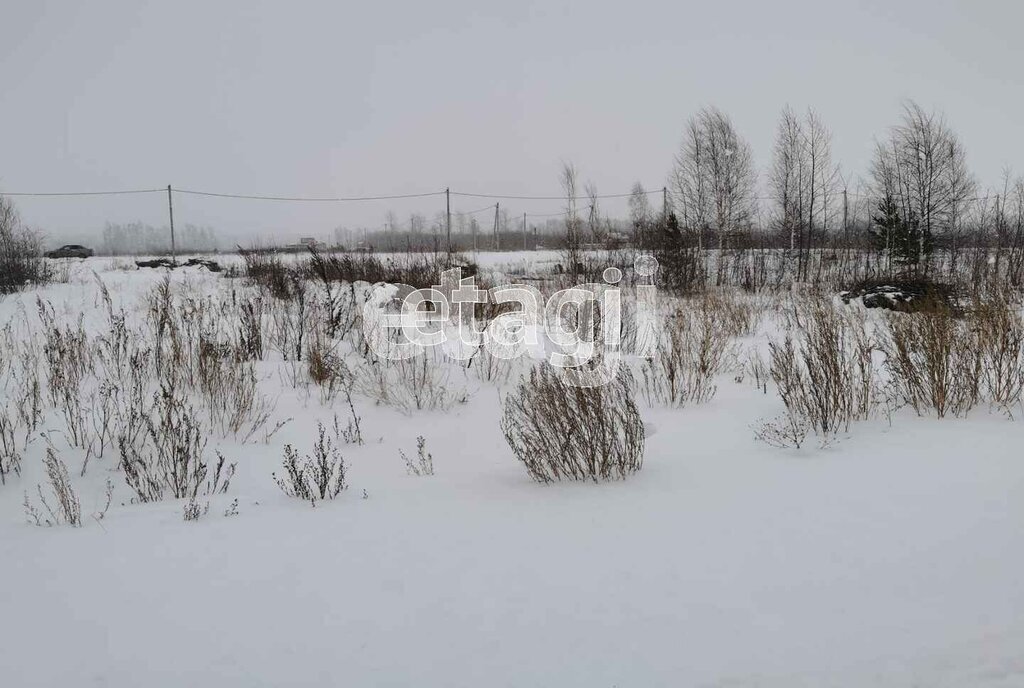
column 170, row 213
column 497, row 236
column 846, row 230
column 448, row 205
column 524, row 231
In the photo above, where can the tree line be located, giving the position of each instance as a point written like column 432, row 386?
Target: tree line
column 919, row 197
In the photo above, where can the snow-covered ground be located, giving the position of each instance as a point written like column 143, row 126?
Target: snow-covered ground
column 891, row 558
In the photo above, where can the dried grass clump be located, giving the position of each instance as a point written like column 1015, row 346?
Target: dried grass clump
column 559, row 431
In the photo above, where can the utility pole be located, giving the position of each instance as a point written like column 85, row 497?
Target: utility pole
column 524, row 231
column 170, row 213
column 664, row 202
column 497, row 236
column 448, row 204
column 846, row 227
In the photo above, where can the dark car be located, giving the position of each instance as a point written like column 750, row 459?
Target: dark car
column 70, row 251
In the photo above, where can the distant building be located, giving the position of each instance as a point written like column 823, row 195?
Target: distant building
column 304, row 244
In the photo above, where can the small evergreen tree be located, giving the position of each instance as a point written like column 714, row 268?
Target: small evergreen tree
column 898, row 235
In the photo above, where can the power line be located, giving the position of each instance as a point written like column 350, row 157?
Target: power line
column 474, row 212
column 385, row 197
column 337, row 199
column 548, row 198
column 564, row 212
column 82, row 193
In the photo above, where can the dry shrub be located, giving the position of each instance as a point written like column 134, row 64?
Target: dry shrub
column 69, row 361
column 326, row 367
column 824, row 376
column 424, row 462
column 229, row 391
column 28, row 394
column 250, row 330
column 738, row 313
column 580, row 433
column 10, row 458
column 171, row 456
column 66, row 507
column 337, row 303
column 420, row 383
column 1000, row 336
column 21, row 261
column 934, row 362
column 691, row 350
column 756, row 370
column 289, row 321
column 319, row 477
column 418, row 270
column 268, row 271
column 207, row 347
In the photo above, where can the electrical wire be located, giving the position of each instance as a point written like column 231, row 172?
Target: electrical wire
column 82, row 193
column 338, row 199
column 548, row 198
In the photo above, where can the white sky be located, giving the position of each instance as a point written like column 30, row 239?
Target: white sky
column 345, row 98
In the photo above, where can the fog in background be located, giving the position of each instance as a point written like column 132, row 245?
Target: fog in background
column 339, row 98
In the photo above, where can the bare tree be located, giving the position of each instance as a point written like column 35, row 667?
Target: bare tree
column 803, row 182
column 922, row 170
column 714, row 177
column 640, row 215
column 417, row 222
column 597, row 233
column 785, row 179
column 574, row 253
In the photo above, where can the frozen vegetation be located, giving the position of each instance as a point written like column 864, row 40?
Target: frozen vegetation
column 214, row 479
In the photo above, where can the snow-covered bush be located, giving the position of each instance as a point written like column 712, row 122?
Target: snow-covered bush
column 580, row 433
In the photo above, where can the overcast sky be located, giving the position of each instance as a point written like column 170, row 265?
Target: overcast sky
column 345, row 98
